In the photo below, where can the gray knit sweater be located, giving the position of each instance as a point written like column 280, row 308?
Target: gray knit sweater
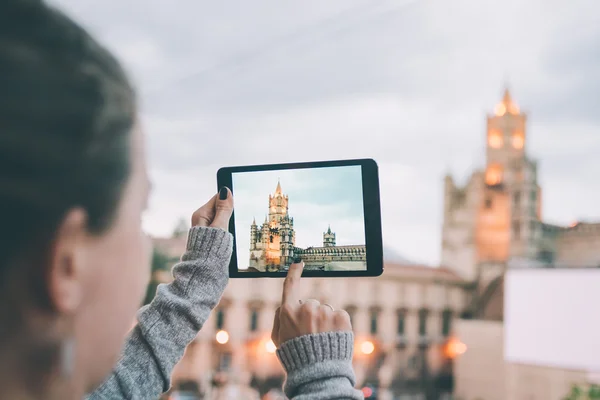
column 317, row 366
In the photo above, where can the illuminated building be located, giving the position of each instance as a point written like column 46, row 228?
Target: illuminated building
column 273, row 244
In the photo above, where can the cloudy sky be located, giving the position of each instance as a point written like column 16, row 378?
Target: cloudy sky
column 405, row 82
column 317, row 198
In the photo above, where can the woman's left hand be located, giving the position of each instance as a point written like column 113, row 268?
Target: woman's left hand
column 216, row 213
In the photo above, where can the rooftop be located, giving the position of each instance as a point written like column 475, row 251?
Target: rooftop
column 174, row 247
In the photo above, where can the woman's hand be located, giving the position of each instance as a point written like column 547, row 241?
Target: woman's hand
column 297, row 318
column 217, row 212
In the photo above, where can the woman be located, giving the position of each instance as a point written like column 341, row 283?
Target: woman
column 73, row 256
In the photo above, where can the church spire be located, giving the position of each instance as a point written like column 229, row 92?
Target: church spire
column 329, row 229
column 278, row 188
column 254, row 221
column 507, row 105
column 506, row 99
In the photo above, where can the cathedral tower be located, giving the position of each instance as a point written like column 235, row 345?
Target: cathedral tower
column 273, row 244
column 495, row 216
column 253, row 235
column 278, row 205
column 329, row 238
column 509, row 213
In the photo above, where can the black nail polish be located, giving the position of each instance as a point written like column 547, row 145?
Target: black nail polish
column 223, row 193
column 297, row 260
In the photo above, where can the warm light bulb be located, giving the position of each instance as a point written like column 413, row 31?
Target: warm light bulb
column 270, row 347
column 367, row 347
column 518, row 141
column 495, row 140
column 493, row 175
column 455, row 348
column 222, row 337
column 367, row 391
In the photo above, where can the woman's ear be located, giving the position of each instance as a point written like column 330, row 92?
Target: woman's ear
column 65, row 269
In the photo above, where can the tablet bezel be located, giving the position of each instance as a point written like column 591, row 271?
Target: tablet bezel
column 371, row 210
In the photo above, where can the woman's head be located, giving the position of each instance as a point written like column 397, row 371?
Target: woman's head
column 73, row 257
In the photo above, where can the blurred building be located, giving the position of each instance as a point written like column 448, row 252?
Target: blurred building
column 497, row 216
column 413, row 321
column 403, row 322
column 495, row 223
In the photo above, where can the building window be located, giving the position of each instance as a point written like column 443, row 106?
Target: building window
column 446, row 322
column 488, row 203
column 254, row 321
column 517, row 198
column 224, row 362
column 516, row 230
column 494, row 175
column 546, row 256
column 495, row 139
column 533, row 196
column 401, row 322
column 518, row 140
column 220, row 319
column 374, row 315
column 271, row 238
column 423, row 322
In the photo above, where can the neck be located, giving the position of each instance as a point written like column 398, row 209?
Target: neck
column 22, row 388
column 32, row 374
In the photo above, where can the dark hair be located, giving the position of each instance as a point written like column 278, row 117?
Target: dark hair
column 66, row 114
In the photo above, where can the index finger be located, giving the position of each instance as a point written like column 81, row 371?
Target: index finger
column 291, row 284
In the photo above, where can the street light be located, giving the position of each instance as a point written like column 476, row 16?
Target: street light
column 367, row 347
column 454, row 348
column 222, row 337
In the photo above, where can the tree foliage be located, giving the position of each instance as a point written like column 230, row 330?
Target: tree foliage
column 584, row 392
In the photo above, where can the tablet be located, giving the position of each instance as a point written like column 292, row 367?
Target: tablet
column 325, row 213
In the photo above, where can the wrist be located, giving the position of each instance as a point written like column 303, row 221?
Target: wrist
column 307, row 350
column 204, row 241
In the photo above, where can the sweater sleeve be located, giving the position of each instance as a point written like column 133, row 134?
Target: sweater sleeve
column 319, row 366
column 172, row 320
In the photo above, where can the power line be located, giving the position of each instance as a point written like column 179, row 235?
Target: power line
column 249, row 55
column 286, row 40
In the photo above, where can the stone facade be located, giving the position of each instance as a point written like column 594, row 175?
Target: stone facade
column 408, row 314
column 273, row 244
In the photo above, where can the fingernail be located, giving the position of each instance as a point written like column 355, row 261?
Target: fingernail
column 223, row 193
column 297, row 260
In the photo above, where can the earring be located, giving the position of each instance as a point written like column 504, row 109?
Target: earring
column 67, row 357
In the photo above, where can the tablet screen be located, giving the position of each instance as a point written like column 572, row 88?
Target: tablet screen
column 325, row 213
column 316, row 214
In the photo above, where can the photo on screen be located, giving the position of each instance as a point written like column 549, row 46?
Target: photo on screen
column 313, row 213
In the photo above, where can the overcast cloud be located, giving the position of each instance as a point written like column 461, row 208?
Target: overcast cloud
column 405, row 82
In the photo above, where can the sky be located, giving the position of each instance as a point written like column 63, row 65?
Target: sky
column 318, row 198
column 408, row 83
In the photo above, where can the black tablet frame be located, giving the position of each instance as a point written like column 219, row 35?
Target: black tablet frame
column 372, row 215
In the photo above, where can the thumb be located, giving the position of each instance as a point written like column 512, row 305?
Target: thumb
column 276, row 325
column 223, row 209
